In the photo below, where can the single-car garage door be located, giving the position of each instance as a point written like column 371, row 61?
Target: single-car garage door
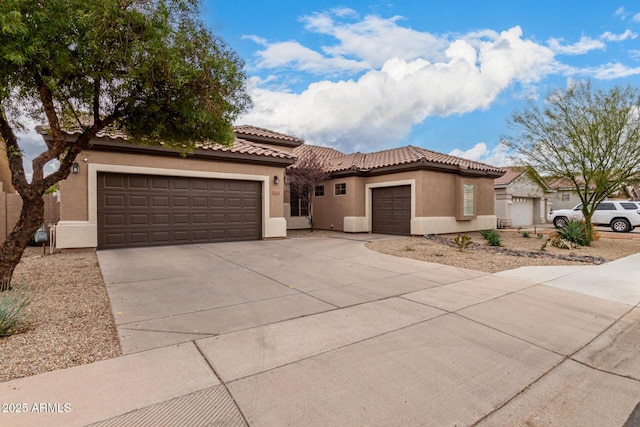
column 148, row 210
column 522, row 211
column 391, row 210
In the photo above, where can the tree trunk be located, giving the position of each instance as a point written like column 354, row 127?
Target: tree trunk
column 31, row 218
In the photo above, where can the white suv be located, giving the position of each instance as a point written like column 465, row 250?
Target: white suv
column 621, row 216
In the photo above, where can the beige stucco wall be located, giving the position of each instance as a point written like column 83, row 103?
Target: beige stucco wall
column 556, row 201
column 10, row 206
column 78, row 204
column 522, row 187
column 435, row 204
column 329, row 210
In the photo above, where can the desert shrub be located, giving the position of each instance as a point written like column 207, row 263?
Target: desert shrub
column 525, row 234
column 12, row 305
column 561, row 243
column 575, row 232
column 492, row 237
column 462, row 241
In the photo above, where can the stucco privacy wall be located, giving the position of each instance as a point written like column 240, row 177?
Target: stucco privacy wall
column 10, row 205
column 78, row 205
column 434, row 202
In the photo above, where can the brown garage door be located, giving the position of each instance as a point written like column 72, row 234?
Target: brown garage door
column 391, row 210
column 147, row 210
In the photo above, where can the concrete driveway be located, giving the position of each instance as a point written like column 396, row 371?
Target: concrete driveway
column 322, row 331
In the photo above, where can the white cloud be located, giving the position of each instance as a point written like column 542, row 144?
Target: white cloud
column 583, row 46
column 383, row 104
column 621, row 12
column 294, row 55
column 497, row 156
column 636, row 17
column 363, row 44
column 628, row 34
column 610, row 71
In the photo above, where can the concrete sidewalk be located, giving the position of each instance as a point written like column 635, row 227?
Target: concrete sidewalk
column 322, row 331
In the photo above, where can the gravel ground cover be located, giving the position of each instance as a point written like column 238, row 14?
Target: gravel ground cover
column 609, row 247
column 485, row 258
column 69, row 320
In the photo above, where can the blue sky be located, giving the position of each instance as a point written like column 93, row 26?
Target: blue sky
column 370, row 75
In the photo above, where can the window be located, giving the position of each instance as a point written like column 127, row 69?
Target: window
column 298, row 206
column 341, row 189
column 628, row 205
column 319, row 190
column 468, row 200
column 606, row 207
column 566, row 197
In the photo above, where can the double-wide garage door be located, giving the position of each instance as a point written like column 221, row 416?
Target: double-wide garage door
column 148, row 210
column 391, row 210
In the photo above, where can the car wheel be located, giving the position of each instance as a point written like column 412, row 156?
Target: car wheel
column 620, row 225
column 560, row 222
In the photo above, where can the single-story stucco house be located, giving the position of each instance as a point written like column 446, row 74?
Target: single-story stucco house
column 521, row 197
column 127, row 195
column 404, row 191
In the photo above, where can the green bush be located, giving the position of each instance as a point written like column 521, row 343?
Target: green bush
column 525, row 234
column 492, row 237
column 462, row 240
column 12, row 307
column 575, row 232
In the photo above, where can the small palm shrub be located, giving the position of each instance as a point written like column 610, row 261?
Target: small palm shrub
column 492, row 237
column 575, row 232
column 12, row 307
column 525, row 234
column 462, row 241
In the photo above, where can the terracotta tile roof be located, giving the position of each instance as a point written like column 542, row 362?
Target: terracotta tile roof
column 323, row 154
column 336, row 161
column 248, row 130
column 246, row 147
column 241, row 146
column 511, row 174
column 557, row 183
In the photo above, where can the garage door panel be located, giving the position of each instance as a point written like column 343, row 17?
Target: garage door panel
column 138, row 201
column 159, row 183
column 138, row 210
column 160, row 201
column 199, row 202
column 181, row 201
column 136, row 182
column 138, row 219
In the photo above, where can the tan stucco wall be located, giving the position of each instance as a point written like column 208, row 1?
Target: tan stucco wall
column 329, row 210
column 78, row 204
column 10, row 206
column 75, row 194
column 436, row 196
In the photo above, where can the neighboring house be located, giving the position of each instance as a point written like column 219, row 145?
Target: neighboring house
column 404, row 191
column 521, row 197
column 126, row 195
column 562, row 193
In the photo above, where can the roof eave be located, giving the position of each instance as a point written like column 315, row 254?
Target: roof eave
column 111, row 145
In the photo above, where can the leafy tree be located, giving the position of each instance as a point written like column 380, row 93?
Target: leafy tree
column 146, row 67
column 587, row 136
column 303, row 177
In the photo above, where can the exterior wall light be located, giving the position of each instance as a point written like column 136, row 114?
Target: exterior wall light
column 276, row 179
column 75, row 168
